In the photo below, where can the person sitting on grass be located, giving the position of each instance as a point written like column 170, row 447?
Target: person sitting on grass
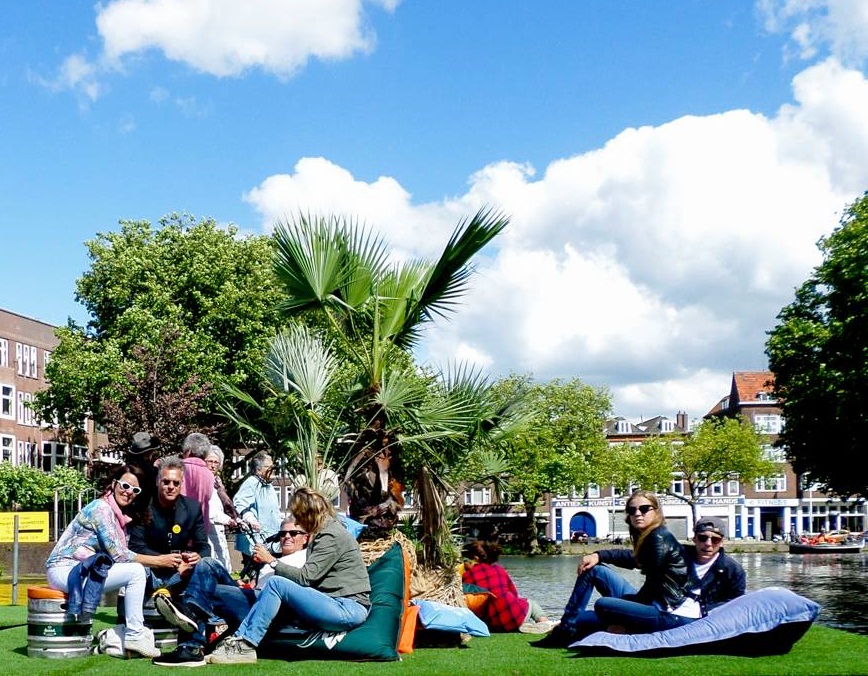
column 213, row 596
column 330, row 592
column 506, row 610
column 713, row 579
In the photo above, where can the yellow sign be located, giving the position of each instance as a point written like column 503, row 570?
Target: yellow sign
column 32, row 526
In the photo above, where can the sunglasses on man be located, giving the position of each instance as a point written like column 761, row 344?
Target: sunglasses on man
column 290, row 533
column 713, row 539
column 170, row 482
column 124, row 486
column 642, row 509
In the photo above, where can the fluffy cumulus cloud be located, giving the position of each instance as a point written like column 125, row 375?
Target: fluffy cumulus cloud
column 227, row 37
column 653, row 265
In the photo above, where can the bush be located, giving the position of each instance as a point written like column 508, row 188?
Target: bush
column 29, row 489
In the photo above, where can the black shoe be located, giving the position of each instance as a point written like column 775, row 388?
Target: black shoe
column 182, row 656
column 556, row 638
column 176, row 613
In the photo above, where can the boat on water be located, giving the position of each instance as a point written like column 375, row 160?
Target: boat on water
column 827, row 547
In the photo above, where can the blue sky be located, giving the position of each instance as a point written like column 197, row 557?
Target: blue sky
column 668, row 164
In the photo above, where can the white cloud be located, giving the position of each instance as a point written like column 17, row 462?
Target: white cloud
column 653, row 265
column 839, row 27
column 228, row 38
column 78, row 75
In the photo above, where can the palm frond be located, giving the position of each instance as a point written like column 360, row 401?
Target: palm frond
column 448, row 277
column 300, row 361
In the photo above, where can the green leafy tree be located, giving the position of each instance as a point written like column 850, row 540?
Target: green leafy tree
column 563, row 433
column 819, row 354
column 203, row 283
column 717, row 450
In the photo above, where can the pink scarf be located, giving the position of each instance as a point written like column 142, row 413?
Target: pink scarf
column 122, row 518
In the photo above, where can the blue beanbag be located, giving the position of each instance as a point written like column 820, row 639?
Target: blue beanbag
column 439, row 616
column 764, row 622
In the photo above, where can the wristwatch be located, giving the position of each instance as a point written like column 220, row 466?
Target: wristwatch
column 273, row 563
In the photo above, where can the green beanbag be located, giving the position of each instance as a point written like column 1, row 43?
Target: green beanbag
column 375, row 640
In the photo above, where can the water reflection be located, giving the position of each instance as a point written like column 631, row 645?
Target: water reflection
column 837, row 582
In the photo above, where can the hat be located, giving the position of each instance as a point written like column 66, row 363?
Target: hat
column 143, row 441
column 710, row 524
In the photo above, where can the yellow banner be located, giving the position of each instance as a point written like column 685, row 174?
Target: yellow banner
column 32, row 526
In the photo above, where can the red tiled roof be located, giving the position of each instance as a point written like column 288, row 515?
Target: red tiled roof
column 746, row 384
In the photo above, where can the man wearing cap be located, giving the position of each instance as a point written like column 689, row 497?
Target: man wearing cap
column 714, row 579
column 142, row 454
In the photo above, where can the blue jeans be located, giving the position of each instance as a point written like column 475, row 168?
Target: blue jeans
column 295, row 603
column 608, row 582
column 213, row 595
column 635, row 617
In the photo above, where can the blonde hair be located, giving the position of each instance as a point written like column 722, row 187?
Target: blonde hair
column 638, row 536
column 311, row 509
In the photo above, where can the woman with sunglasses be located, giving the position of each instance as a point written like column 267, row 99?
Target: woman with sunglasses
column 662, row 600
column 100, row 527
column 331, row 591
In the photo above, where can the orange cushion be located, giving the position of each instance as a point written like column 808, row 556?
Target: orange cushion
column 476, row 601
column 407, row 636
column 44, row 593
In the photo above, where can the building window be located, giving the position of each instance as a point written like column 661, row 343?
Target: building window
column 733, row 487
column 79, row 455
column 7, row 401
column 666, row 426
column 478, row 495
column 53, row 455
column 768, row 424
column 25, row 413
column 7, row 446
column 774, row 454
column 593, row 490
column 623, row 427
column 717, row 488
column 27, row 454
column 677, row 487
column 4, row 352
column 771, row 483
column 25, row 358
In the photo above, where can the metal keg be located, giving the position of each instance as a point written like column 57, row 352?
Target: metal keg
column 165, row 634
column 49, row 633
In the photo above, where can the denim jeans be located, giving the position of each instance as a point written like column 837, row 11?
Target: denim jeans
column 637, row 618
column 214, row 595
column 608, row 582
column 130, row 577
column 293, row 602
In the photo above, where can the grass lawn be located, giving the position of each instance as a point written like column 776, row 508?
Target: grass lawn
column 822, row 651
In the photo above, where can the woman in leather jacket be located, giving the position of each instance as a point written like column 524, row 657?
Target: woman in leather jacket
column 664, row 600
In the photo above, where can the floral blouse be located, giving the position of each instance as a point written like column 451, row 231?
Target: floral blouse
column 94, row 529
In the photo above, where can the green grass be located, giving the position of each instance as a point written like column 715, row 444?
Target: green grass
column 822, row 651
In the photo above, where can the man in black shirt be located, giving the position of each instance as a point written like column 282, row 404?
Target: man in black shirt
column 172, row 524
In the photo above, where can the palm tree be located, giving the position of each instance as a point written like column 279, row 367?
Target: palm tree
column 334, row 272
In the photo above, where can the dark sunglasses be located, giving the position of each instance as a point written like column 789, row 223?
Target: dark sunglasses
column 170, row 482
column 290, row 533
column 128, row 487
column 713, row 539
column 642, row 509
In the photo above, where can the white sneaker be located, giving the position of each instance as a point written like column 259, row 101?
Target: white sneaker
column 233, row 650
column 535, row 627
column 141, row 646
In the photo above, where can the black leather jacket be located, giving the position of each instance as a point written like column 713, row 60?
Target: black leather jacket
column 661, row 560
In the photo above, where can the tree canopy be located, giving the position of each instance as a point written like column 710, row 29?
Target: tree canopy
column 818, row 352
column 211, row 289
column 560, row 440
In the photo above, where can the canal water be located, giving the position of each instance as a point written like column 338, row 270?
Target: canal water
column 839, row 583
